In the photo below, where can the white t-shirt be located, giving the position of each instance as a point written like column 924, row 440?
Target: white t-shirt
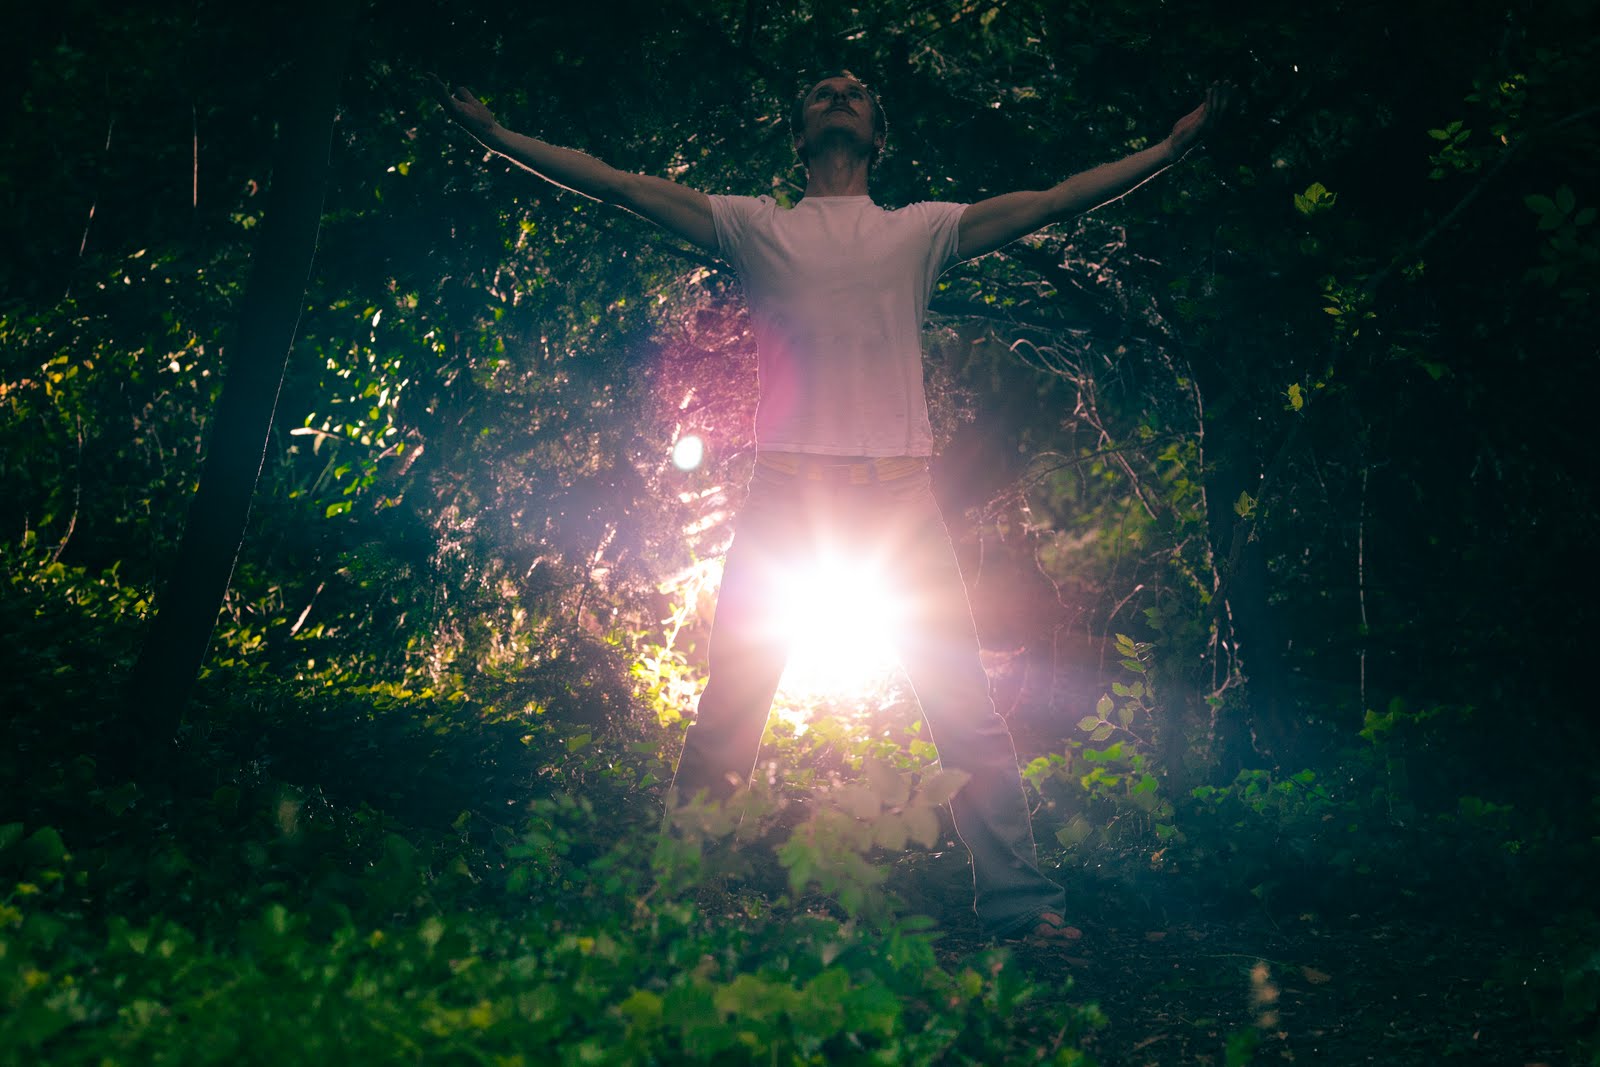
column 838, row 290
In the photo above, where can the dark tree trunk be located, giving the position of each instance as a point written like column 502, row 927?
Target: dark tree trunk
column 269, row 315
column 1243, row 734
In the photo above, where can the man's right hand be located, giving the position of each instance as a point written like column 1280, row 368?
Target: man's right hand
column 464, row 108
column 677, row 208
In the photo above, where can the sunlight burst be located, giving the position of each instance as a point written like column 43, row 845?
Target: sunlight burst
column 688, row 453
column 840, row 622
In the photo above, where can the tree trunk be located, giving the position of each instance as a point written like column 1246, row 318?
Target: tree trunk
column 269, row 315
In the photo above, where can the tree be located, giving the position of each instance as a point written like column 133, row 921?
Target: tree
column 264, row 334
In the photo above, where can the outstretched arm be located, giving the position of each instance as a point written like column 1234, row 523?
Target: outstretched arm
column 993, row 223
column 684, row 211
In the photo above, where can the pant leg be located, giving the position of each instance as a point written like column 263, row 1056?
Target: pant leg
column 939, row 650
column 747, row 654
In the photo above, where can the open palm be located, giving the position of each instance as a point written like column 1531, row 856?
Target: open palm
column 1188, row 131
column 462, row 106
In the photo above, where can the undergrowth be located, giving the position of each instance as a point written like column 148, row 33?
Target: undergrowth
column 334, row 869
column 357, row 873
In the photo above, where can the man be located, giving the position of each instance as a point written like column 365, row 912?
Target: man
column 838, row 290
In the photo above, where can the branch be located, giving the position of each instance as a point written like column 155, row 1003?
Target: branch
column 1370, row 289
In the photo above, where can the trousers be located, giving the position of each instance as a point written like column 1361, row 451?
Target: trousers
column 802, row 507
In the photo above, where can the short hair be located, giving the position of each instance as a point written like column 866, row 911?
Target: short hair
column 797, row 113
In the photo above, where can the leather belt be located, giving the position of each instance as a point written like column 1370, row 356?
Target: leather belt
column 847, row 470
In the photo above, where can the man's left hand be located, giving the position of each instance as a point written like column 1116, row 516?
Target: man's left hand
column 1187, row 131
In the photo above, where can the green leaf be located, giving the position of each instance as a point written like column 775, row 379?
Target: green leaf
column 1105, row 730
column 1125, row 715
column 1075, row 833
column 892, row 787
column 44, row 848
column 1539, row 204
column 642, row 1008
column 1088, row 722
column 922, row 826
column 1103, row 707
column 939, row 788
column 275, row 920
column 1315, row 200
column 859, row 800
column 1566, row 200
column 890, row 832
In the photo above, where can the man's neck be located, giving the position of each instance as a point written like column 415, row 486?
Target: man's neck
column 836, row 173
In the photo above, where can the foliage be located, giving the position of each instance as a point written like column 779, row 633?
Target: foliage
column 565, row 926
column 1270, row 480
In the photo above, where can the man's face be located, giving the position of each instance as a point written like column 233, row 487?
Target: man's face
column 838, row 108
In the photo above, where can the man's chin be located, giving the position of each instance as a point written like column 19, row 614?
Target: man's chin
column 832, row 138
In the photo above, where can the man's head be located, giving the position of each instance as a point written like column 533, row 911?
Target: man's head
column 839, row 105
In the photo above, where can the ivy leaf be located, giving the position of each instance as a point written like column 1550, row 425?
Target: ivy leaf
column 939, row 788
column 890, row 832
column 892, row 788
column 922, row 826
column 1075, row 833
column 859, row 800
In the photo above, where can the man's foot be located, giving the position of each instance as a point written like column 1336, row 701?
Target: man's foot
column 1050, row 929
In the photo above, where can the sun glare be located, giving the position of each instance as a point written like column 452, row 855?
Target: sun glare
column 840, row 622
column 688, row 453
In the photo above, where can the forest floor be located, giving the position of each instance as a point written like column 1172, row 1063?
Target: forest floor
column 1299, row 989
column 1308, row 977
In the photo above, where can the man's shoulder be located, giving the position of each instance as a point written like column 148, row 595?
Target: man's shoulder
column 744, row 203
column 931, row 208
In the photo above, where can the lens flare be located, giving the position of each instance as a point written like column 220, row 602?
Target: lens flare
column 688, row 453
column 840, row 622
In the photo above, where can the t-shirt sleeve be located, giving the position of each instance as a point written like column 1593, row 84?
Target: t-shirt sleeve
column 731, row 217
column 944, row 231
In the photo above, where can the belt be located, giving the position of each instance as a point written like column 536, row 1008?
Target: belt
column 848, row 470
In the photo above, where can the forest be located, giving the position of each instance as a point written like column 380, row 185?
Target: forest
column 363, row 500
